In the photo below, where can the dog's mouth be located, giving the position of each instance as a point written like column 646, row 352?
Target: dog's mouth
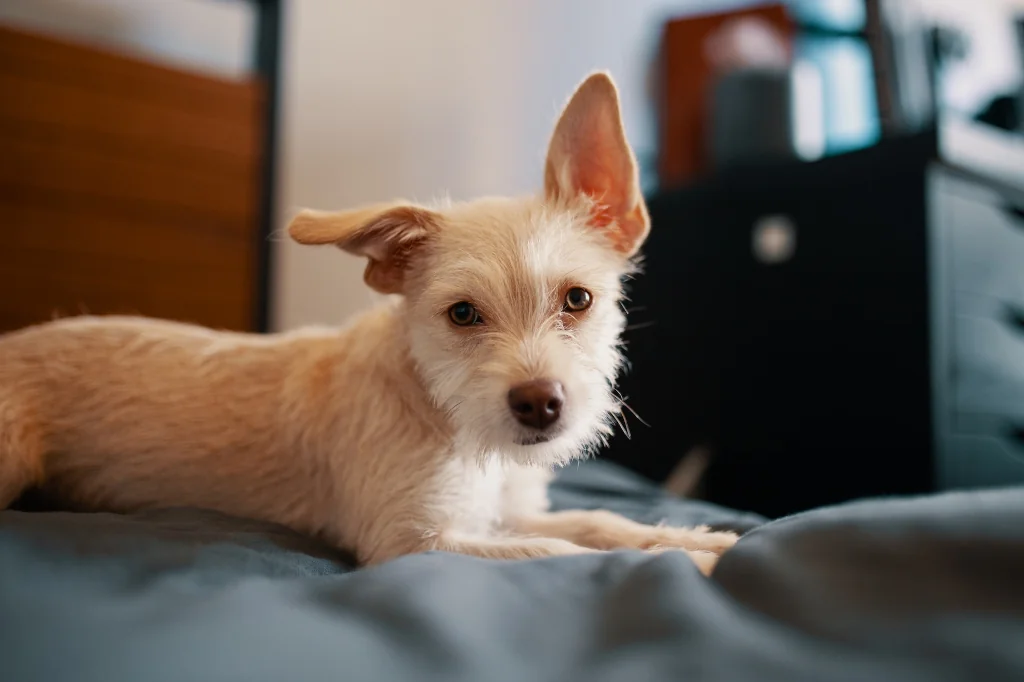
column 534, row 439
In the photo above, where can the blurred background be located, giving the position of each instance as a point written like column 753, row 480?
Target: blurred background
column 834, row 298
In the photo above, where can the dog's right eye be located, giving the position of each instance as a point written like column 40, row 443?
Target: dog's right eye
column 464, row 314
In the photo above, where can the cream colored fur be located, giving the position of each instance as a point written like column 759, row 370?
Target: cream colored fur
column 392, row 435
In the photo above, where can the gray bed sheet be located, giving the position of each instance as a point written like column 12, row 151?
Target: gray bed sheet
column 882, row 590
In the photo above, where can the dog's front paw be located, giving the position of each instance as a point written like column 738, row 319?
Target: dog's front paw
column 705, row 561
column 693, row 539
column 713, row 541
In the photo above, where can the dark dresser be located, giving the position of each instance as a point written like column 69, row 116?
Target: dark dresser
column 847, row 328
column 976, row 249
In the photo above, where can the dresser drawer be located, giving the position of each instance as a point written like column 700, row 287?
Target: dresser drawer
column 987, row 363
column 988, row 457
column 987, row 239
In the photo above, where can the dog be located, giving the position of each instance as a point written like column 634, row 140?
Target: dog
column 432, row 422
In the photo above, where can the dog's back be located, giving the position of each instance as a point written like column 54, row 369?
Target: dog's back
column 203, row 412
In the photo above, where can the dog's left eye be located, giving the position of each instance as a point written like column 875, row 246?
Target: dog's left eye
column 577, row 299
column 464, row 314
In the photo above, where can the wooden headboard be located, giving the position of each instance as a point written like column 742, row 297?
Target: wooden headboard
column 125, row 187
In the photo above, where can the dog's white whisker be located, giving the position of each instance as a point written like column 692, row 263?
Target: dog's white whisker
column 620, row 420
column 634, row 413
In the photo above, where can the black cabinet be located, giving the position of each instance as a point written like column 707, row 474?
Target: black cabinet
column 785, row 322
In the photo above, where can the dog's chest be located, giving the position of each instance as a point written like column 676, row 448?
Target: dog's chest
column 469, row 495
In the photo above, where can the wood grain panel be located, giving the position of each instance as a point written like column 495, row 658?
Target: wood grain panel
column 202, row 278
column 73, row 164
column 125, row 187
column 146, row 124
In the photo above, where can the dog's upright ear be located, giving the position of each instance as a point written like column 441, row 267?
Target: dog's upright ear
column 589, row 157
column 386, row 234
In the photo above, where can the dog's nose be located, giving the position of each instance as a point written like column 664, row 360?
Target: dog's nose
column 537, row 403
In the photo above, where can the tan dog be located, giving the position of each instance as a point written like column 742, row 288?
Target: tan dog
column 433, row 422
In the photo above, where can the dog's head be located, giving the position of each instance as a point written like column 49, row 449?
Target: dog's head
column 513, row 307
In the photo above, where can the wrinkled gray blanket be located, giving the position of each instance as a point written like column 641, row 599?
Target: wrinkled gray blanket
column 880, row 591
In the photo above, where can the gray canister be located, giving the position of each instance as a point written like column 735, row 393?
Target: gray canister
column 765, row 113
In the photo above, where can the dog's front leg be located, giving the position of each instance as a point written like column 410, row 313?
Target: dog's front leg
column 604, row 530
column 510, row 547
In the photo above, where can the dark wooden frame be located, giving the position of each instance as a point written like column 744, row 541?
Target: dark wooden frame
column 267, row 59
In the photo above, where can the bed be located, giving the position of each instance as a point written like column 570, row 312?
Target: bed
column 891, row 589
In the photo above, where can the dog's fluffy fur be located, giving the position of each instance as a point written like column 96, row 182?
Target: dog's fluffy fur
column 394, row 434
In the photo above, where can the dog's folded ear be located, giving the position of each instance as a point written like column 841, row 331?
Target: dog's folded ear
column 589, row 157
column 386, row 234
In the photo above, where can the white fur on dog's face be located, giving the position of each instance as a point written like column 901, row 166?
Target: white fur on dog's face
column 514, row 260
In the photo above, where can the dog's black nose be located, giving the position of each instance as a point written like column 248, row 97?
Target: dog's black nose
column 537, row 403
